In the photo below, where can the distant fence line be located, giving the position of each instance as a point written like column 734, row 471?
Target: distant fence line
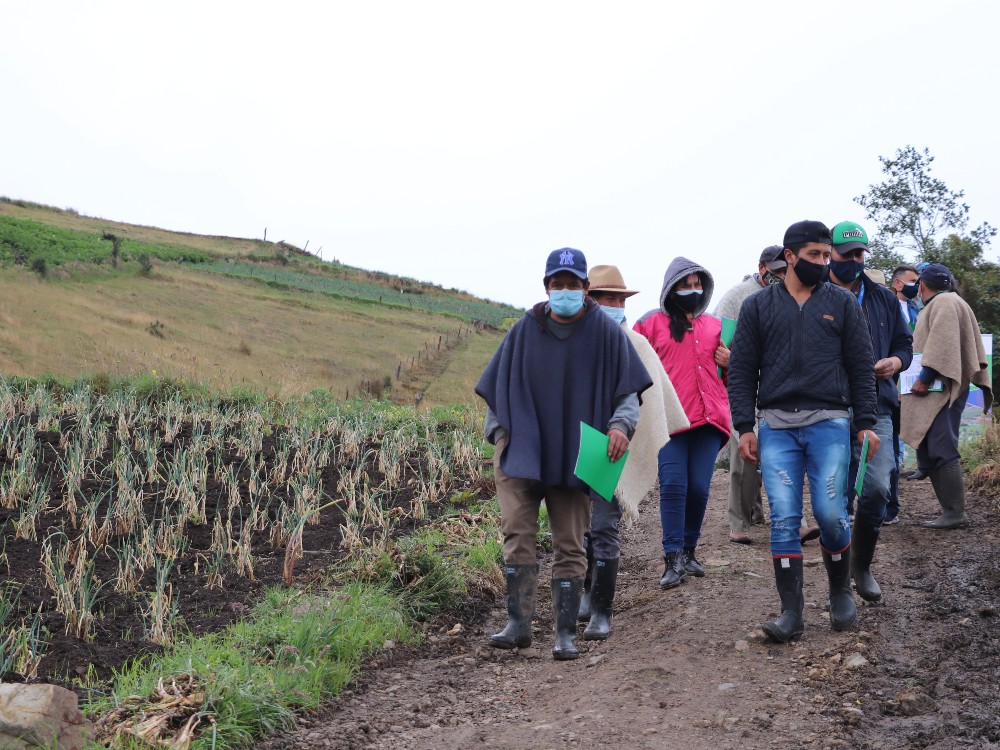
column 425, row 354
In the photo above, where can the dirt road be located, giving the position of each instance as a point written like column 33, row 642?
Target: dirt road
column 684, row 668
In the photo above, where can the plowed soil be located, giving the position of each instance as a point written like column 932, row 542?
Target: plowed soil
column 687, row 668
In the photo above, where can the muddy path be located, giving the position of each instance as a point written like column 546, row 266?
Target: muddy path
column 684, row 668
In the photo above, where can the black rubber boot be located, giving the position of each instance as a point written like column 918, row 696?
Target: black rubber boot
column 603, row 596
column 673, row 570
column 691, row 566
column 863, row 541
column 522, row 580
column 565, row 606
column 788, row 580
column 949, row 486
column 843, row 609
column 588, row 584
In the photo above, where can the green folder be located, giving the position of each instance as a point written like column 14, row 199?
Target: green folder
column 593, row 465
column 862, row 467
column 728, row 331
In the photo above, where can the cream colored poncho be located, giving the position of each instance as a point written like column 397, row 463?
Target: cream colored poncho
column 660, row 414
column 948, row 337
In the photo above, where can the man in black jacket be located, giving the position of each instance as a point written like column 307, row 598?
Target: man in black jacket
column 802, row 355
column 892, row 347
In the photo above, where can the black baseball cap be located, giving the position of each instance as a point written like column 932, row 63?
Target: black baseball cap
column 773, row 257
column 937, row 276
column 805, row 231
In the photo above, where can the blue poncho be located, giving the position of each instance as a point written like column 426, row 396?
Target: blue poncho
column 541, row 388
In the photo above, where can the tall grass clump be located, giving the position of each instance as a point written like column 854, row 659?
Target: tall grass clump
column 222, row 691
column 981, row 459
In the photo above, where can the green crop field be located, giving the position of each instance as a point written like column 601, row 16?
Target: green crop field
column 469, row 309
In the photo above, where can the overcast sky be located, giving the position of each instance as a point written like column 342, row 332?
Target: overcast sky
column 460, row 142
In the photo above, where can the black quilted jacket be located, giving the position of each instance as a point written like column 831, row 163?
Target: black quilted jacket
column 819, row 357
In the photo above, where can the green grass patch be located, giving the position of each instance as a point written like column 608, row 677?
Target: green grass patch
column 293, row 652
column 24, row 241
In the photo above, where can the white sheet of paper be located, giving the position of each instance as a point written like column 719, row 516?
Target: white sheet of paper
column 907, row 376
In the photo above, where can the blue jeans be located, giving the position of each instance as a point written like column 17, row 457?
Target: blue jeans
column 686, row 466
column 876, row 492
column 823, row 450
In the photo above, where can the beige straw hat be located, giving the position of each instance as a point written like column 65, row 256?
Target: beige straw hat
column 608, row 279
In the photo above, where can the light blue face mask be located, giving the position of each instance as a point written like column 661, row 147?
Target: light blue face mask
column 617, row 314
column 566, row 302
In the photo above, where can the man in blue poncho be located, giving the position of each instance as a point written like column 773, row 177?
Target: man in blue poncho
column 563, row 363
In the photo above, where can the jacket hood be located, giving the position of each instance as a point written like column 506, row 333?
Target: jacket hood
column 679, row 268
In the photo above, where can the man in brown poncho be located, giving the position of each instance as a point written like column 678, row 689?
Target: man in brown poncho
column 948, row 337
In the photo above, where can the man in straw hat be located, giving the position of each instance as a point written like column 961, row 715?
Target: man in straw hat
column 661, row 412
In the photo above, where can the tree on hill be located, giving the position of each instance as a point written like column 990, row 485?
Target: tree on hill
column 116, row 247
column 919, row 217
column 912, row 208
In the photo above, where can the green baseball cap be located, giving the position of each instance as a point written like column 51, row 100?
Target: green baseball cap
column 847, row 236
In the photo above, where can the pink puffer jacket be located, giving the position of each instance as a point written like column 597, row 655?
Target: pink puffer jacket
column 691, row 367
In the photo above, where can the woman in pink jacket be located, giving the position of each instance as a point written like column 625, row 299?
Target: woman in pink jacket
column 690, row 347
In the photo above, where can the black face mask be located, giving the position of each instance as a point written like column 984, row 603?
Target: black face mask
column 846, row 270
column 811, row 274
column 688, row 302
column 910, row 290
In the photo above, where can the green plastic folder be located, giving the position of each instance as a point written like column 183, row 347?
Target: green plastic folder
column 862, row 467
column 728, row 331
column 593, row 465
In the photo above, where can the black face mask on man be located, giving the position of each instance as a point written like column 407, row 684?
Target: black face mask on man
column 811, row 274
column 910, row 290
column 847, row 270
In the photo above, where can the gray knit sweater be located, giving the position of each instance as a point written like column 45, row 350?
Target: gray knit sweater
column 732, row 300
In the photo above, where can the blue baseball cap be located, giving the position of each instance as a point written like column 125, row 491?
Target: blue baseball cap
column 566, row 259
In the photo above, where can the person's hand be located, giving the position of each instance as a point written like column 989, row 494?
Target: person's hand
column 873, row 442
column 722, row 356
column 748, row 447
column 919, row 388
column 617, row 445
column 886, row 368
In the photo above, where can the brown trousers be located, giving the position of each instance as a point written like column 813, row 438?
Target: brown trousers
column 744, row 488
column 569, row 517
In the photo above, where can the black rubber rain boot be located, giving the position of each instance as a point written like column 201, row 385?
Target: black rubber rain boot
column 863, row 541
column 522, row 580
column 691, row 566
column 565, row 606
column 603, row 596
column 788, row 580
column 843, row 609
column 588, row 584
column 949, row 486
column 673, row 570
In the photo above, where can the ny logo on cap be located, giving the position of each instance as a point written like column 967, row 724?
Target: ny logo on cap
column 566, row 259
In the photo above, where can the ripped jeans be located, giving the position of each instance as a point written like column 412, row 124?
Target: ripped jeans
column 823, row 451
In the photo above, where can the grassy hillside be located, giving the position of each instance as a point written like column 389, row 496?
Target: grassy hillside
column 228, row 312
